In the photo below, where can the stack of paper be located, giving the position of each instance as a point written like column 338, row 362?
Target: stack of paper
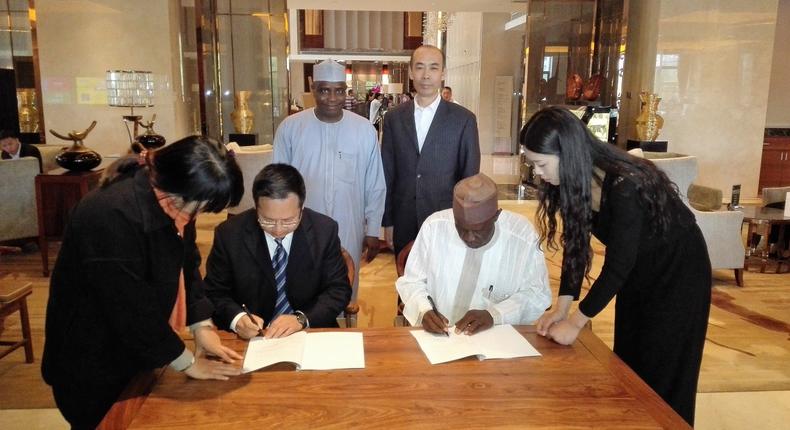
column 309, row 351
column 500, row 341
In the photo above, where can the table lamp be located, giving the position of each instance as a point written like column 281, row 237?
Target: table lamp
column 131, row 89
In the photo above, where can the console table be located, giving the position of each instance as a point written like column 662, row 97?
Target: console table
column 57, row 191
column 761, row 219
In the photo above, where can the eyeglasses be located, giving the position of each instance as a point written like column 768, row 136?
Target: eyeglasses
column 190, row 208
column 284, row 223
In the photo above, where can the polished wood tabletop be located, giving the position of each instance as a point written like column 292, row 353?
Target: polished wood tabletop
column 583, row 385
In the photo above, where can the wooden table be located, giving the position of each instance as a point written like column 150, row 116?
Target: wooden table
column 57, row 191
column 583, row 385
column 762, row 219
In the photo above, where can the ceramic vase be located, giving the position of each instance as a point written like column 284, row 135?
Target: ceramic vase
column 242, row 116
column 649, row 122
column 77, row 157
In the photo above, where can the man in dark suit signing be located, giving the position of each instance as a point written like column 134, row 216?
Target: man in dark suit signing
column 13, row 149
column 280, row 259
column 428, row 145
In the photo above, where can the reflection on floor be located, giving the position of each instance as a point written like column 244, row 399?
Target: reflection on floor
column 744, row 382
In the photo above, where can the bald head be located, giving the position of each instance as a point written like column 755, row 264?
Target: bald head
column 475, row 209
column 427, row 48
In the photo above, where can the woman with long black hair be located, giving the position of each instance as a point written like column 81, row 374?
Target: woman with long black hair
column 126, row 281
column 656, row 260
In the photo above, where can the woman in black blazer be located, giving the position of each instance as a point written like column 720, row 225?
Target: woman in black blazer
column 126, row 280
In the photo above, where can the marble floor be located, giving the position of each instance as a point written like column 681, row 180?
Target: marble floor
column 744, row 381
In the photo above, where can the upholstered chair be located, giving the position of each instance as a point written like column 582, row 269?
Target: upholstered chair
column 721, row 229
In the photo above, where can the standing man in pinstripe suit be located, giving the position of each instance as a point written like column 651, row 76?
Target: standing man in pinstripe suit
column 428, row 145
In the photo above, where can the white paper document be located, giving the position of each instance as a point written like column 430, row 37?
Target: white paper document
column 309, row 351
column 500, row 341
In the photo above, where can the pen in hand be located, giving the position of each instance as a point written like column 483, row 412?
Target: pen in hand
column 433, row 307
column 249, row 315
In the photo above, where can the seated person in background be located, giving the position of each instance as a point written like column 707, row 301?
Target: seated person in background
column 280, row 259
column 14, row 149
column 481, row 265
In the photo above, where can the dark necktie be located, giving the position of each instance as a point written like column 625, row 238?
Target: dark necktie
column 279, row 262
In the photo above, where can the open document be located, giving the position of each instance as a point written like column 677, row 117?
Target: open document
column 500, row 341
column 309, row 351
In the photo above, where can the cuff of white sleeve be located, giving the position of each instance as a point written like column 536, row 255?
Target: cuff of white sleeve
column 373, row 230
column 235, row 320
column 184, row 361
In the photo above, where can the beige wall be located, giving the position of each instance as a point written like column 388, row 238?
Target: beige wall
column 778, row 114
column 714, row 80
column 79, row 40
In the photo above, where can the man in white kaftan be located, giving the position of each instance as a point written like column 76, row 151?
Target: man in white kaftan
column 480, row 265
column 337, row 153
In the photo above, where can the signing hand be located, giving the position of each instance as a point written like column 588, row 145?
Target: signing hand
column 204, row 368
column 371, row 244
column 434, row 322
column 207, row 342
column 246, row 329
column 282, row 326
column 474, row 321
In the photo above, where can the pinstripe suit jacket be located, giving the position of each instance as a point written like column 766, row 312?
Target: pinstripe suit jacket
column 420, row 183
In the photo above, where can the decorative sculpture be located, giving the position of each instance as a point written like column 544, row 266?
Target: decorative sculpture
column 149, row 139
column 77, row 157
column 592, row 89
column 242, row 116
column 649, row 122
column 573, row 87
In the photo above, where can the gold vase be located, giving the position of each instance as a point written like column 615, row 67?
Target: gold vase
column 649, row 122
column 242, row 116
column 28, row 112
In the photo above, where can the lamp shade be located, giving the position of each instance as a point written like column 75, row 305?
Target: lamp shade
column 130, row 88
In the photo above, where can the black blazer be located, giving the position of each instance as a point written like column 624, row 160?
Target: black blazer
column 239, row 270
column 114, row 286
column 26, row 150
column 423, row 181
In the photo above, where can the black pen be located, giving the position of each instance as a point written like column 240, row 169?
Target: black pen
column 249, row 315
column 490, row 289
column 433, row 306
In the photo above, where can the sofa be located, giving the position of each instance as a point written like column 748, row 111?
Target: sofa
column 48, row 153
column 721, row 229
column 251, row 160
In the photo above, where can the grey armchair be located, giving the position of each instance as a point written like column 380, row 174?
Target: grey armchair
column 18, row 215
column 721, row 229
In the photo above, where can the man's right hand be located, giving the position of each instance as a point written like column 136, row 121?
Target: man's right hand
column 246, row 329
column 434, row 322
column 204, row 368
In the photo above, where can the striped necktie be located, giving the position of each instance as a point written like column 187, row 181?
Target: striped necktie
column 279, row 262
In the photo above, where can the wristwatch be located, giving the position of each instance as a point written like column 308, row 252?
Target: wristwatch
column 302, row 318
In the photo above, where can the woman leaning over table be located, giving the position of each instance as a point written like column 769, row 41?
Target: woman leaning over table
column 126, row 280
column 656, row 260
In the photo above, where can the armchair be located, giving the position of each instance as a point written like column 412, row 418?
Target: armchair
column 18, row 214
column 721, row 229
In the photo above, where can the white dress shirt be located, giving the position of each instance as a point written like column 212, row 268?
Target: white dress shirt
column 423, row 117
column 272, row 245
column 511, row 262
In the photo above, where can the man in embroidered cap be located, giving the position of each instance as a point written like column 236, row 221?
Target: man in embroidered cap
column 337, row 153
column 480, row 265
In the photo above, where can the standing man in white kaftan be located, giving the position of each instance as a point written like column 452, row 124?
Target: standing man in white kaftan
column 480, row 265
column 337, row 153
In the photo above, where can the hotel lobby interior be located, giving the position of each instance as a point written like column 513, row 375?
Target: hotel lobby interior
column 715, row 70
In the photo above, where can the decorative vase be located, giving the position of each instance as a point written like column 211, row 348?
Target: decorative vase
column 242, row 116
column 28, row 112
column 77, row 157
column 649, row 122
column 149, row 139
column 592, row 89
column 573, row 87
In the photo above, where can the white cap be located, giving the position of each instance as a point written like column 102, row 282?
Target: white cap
column 329, row 71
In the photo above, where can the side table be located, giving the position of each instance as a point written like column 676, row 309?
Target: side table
column 57, row 191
